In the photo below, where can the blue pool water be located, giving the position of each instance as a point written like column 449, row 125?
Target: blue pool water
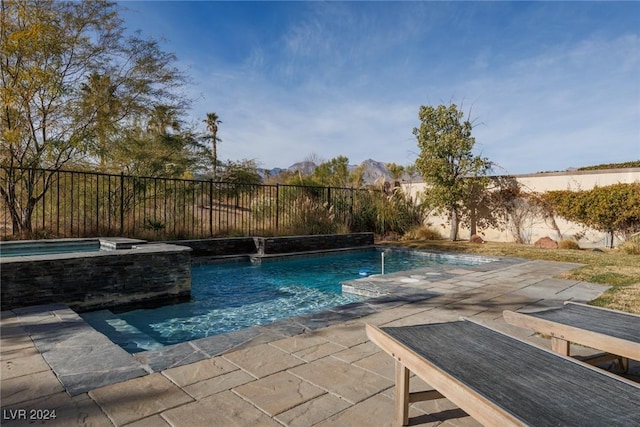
column 7, row 251
column 235, row 295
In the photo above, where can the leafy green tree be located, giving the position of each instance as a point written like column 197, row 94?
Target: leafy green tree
column 446, row 162
column 243, row 172
column 334, row 172
column 59, row 106
column 356, row 177
column 396, row 171
column 161, row 148
column 237, row 178
column 411, row 172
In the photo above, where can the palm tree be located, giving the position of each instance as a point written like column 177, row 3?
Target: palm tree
column 212, row 122
column 100, row 101
column 161, row 119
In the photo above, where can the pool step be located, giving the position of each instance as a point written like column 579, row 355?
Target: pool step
column 120, row 332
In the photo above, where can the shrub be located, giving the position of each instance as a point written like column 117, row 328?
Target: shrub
column 631, row 246
column 309, row 216
column 568, row 244
column 399, row 213
column 422, row 233
column 615, row 207
column 386, row 213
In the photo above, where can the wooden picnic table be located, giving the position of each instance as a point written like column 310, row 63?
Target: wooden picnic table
column 500, row 380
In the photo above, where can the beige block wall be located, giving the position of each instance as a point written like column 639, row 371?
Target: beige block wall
column 539, row 183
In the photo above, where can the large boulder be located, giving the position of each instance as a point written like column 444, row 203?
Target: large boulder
column 476, row 239
column 546, row 243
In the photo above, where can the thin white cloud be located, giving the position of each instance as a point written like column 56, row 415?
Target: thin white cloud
column 566, row 108
column 342, row 80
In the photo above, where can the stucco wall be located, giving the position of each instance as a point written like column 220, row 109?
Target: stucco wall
column 539, row 183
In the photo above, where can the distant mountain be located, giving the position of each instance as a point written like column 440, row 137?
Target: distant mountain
column 374, row 171
column 272, row 172
column 305, row 168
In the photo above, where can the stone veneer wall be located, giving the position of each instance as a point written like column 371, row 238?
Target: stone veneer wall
column 238, row 246
column 151, row 273
column 218, row 247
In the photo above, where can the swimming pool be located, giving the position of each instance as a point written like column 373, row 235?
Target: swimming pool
column 234, row 295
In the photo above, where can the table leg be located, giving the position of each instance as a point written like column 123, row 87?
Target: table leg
column 560, row 346
column 402, row 394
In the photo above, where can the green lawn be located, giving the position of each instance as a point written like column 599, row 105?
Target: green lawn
column 611, row 267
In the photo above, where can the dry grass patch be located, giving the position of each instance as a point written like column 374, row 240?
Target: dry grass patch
column 612, row 267
column 625, row 298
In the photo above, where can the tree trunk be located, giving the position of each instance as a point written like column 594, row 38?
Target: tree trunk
column 472, row 220
column 27, row 216
column 552, row 221
column 453, row 236
column 21, row 208
column 8, row 191
column 15, row 217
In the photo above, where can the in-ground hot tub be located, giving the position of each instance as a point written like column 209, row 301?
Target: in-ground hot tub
column 88, row 274
column 44, row 247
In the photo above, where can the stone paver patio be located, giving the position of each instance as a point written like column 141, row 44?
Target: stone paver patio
column 319, row 370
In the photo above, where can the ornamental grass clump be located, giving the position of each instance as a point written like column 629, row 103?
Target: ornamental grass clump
column 568, row 244
column 422, row 233
column 631, row 246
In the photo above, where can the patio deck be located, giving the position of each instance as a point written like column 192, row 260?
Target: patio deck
column 329, row 374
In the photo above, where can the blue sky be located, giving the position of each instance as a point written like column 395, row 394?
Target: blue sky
column 549, row 85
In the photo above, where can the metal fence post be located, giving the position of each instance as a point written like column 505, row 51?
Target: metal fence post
column 98, row 203
column 121, row 203
column 351, row 210
column 211, row 207
column 277, row 207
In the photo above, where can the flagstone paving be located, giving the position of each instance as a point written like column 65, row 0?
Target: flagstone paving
column 316, row 370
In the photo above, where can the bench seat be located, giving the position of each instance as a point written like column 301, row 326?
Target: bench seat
column 500, row 380
column 612, row 331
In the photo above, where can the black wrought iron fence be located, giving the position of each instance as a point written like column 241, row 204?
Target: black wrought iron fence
column 51, row 203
